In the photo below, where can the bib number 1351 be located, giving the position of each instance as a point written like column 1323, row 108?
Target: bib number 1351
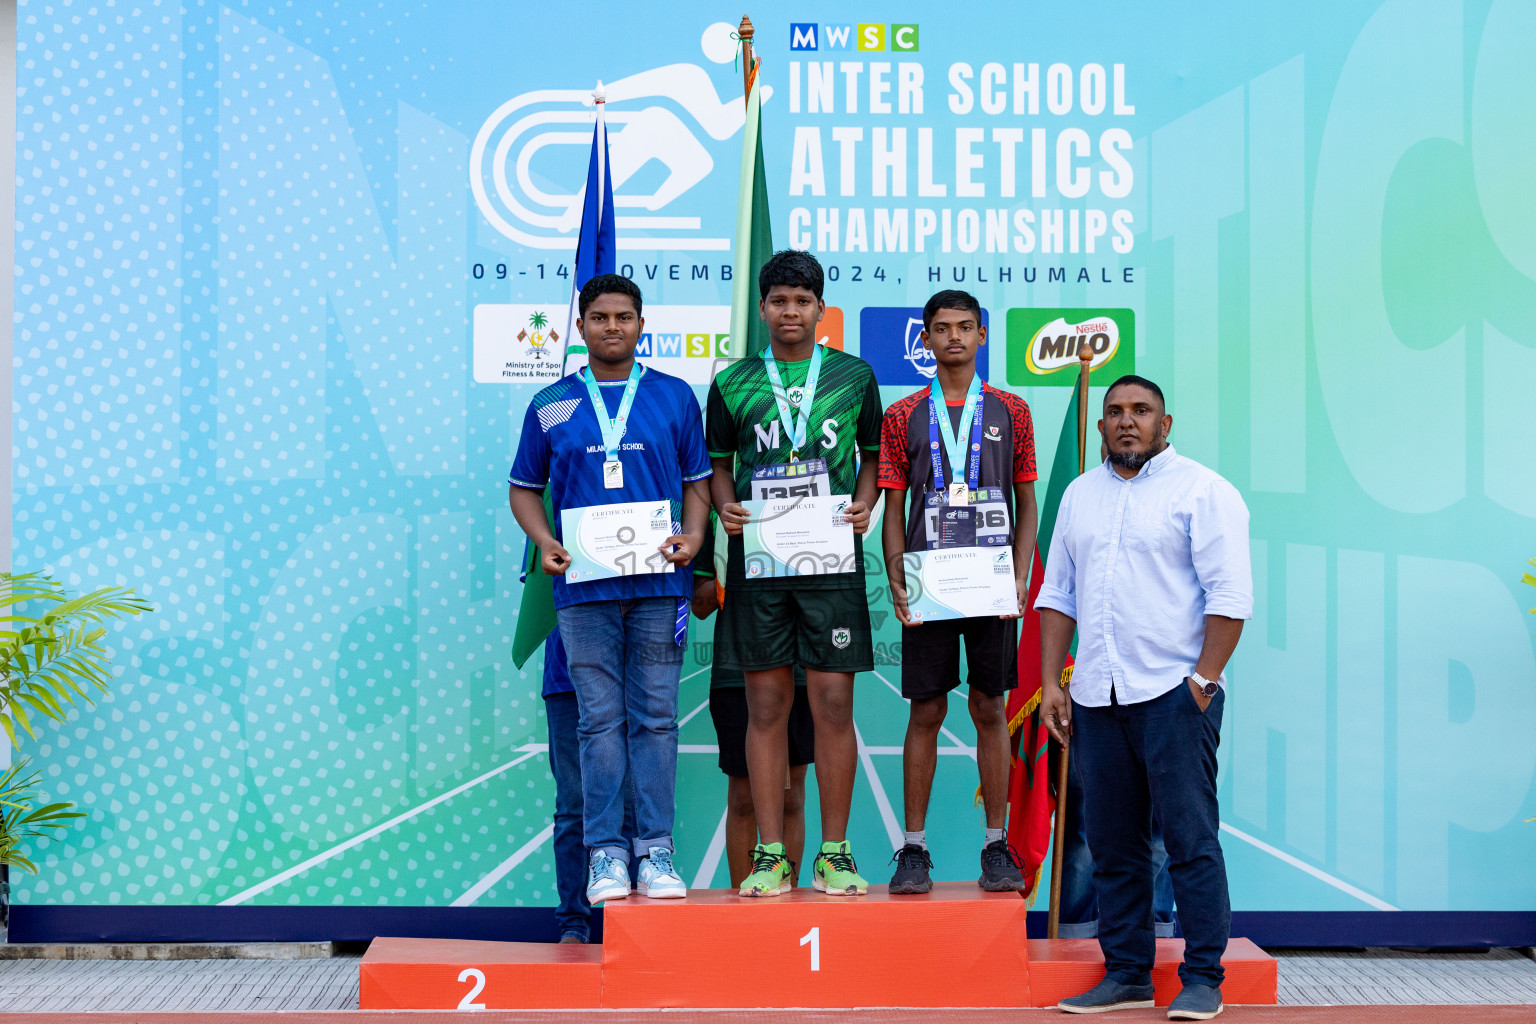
column 812, row 938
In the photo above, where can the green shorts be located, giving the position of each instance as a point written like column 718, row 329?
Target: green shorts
column 827, row 630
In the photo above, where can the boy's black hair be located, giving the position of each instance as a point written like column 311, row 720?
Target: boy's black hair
column 951, row 298
column 1132, row 378
column 792, row 268
column 607, row 284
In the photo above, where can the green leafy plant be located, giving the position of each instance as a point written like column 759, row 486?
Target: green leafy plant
column 19, row 820
column 50, row 663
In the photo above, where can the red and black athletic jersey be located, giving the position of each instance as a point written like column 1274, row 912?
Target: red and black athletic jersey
column 1007, row 451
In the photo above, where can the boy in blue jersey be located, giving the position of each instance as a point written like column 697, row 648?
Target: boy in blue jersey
column 616, row 433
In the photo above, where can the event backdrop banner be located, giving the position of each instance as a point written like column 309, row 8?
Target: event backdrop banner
column 271, row 260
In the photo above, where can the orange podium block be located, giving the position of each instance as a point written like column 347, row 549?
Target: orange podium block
column 955, row 946
column 448, row 974
column 1064, row 967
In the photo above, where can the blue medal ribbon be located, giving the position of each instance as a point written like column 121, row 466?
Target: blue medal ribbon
column 970, row 423
column 612, row 428
column 795, row 429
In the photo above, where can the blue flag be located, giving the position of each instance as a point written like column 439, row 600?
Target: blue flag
column 595, row 248
column 594, row 255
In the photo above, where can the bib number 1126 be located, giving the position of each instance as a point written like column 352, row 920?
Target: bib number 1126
column 812, row 938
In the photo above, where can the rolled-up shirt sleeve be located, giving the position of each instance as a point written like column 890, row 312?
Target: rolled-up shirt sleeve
column 1218, row 543
column 1058, row 591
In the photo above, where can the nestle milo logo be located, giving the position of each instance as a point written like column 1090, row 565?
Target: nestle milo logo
column 1043, row 344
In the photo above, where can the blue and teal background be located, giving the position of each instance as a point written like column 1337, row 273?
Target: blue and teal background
column 247, row 258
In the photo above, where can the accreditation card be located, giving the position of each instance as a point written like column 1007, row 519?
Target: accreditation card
column 798, row 537
column 616, row 540
column 960, row 583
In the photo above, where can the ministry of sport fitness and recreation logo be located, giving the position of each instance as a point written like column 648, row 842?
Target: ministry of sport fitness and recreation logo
column 527, row 168
column 808, row 35
column 891, row 341
column 1043, row 344
column 539, row 336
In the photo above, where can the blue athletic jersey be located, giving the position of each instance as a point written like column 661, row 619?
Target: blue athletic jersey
column 663, row 446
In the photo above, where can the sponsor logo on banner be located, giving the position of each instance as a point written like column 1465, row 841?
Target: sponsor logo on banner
column 1043, row 344
column 518, row 344
column 808, row 35
column 890, row 340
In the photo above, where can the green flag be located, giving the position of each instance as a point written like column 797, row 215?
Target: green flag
column 754, row 234
column 1063, row 472
column 536, row 614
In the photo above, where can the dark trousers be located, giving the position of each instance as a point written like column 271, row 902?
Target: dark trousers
column 1136, row 758
column 574, row 914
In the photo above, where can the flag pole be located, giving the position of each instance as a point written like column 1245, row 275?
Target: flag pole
column 1053, row 925
column 745, row 32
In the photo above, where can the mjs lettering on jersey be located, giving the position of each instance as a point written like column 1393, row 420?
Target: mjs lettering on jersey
column 808, row 35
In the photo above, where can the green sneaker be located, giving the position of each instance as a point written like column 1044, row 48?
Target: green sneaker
column 835, row 872
column 770, row 872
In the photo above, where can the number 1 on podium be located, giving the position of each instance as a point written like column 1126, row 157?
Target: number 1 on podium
column 813, row 938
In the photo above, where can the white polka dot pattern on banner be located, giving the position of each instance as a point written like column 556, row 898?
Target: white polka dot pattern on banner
column 242, row 386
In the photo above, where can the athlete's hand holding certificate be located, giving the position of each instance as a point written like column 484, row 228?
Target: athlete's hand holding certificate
column 616, row 540
column 797, row 537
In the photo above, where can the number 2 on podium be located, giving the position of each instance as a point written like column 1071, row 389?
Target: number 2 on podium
column 476, row 976
column 813, row 939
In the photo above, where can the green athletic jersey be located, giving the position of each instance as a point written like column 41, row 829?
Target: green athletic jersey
column 742, row 421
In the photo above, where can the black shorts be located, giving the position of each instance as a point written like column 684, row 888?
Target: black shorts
column 827, row 630
column 930, row 656
column 728, row 707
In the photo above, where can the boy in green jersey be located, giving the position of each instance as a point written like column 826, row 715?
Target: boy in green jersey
column 801, row 420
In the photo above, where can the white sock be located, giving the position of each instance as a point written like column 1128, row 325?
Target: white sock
column 918, row 838
column 993, row 835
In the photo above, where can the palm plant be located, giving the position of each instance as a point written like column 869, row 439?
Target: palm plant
column 49, row 664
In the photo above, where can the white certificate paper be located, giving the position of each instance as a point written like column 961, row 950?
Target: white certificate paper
column 960, row 583
column 616, row 540
column 798, row 537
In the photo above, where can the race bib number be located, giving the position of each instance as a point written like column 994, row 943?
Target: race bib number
column 981, row 522
column 786, row 480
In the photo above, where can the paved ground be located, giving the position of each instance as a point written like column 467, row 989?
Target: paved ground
column 1312, row 978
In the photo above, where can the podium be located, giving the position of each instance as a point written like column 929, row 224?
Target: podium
column 954, row 947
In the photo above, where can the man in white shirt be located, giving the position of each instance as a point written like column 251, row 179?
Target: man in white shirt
column 1150, row 562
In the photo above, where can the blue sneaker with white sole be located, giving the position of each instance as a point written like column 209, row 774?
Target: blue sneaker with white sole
column 607, row 878
column 1108, row 995
column 658, row 879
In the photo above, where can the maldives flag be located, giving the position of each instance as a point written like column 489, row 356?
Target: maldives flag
column 1031, row 780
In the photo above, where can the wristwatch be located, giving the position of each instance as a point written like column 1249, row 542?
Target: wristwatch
column 1206, row 686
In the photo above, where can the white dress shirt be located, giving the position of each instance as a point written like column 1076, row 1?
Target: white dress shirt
column 1139, row 564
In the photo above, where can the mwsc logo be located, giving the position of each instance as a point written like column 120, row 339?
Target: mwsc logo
column 1043, row 343
column 808, row 35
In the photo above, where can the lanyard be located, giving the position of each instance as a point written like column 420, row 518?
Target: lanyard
column 613, row 429
column 970, row 423
column 781, row 398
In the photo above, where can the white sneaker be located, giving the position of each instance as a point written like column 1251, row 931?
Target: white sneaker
column 607, row 878
column 658, row 879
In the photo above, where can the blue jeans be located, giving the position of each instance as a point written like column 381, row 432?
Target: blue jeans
column 574, row 914
column 1157, row 756
column 1079, row 901
column 625, row 663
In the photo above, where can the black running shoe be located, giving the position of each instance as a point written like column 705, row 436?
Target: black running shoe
column 1001, row 870
column 912, row 867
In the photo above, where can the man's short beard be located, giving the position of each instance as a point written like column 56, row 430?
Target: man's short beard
column 1135, row 460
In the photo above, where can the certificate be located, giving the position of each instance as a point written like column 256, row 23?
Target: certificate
column 798, row 537
column 960, row 583
column 616, row 540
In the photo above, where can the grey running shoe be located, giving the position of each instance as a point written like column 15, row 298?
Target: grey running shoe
column 912, row 867
column 1000, row 869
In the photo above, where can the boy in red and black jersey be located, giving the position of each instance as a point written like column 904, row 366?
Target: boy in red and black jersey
column 991, row 496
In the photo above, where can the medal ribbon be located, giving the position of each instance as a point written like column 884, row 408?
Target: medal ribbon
column 613, row 429
column 970, row 423
column 781, row 398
